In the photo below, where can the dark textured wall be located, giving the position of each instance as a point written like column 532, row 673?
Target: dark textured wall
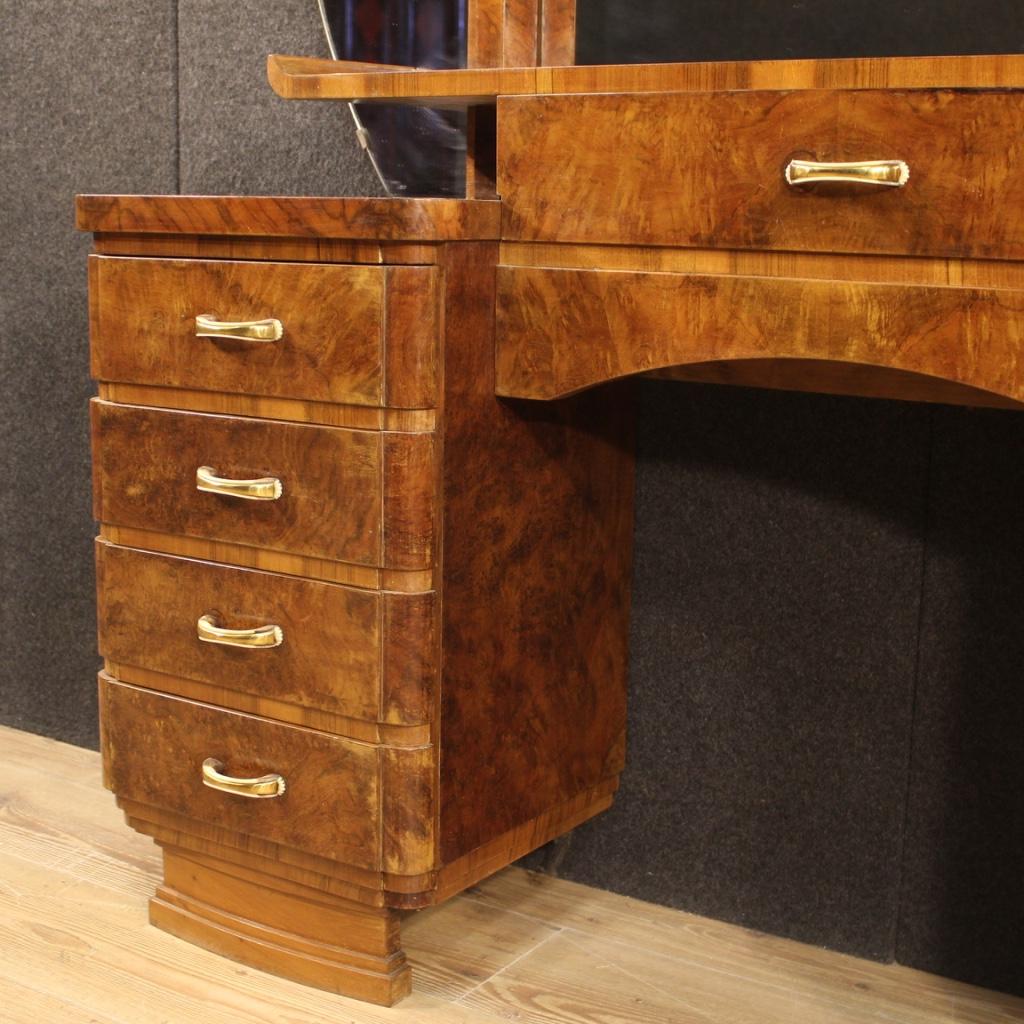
column 826, row 713
column 88, row 94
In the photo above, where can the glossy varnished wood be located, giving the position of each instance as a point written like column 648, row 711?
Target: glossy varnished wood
column 351, row 334
column 288, row 929
column 634, row 322
column 353, row 496
column 346, row 651
column 706, row 169
column 294, row 250
column 314, row 78
column 536, row 560
column 327, row 414
column 154, row 746
column 300, row 217
column 412, row 581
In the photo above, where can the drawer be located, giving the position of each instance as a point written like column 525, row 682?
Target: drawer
column 154, row 747
column 351, row 652
column 362, row 335
column 707, row 170
column 358, row 496
column 635, row 321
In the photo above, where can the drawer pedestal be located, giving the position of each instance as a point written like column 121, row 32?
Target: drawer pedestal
column 401, row 665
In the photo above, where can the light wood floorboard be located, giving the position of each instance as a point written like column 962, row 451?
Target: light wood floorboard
column 523, row 948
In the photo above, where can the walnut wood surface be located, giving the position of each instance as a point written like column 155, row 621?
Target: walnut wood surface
column 831, row 378
column 154, row 746
column 401, row 581
column 558, row 32
column 536, row 560
column 327, row 414
column 311, row 78
column 484, row 24
column 633, row 322
column 881, row 269
column 289, row 930
column 352, row 334
column 707, row 170
column 292, row 217
column 350, row 652
column 293, row 250
column 357, row 496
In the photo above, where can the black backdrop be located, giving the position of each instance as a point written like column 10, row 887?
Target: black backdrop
column 827, row 710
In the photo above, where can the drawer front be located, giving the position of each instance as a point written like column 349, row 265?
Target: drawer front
column 351, row 652
column 633, row 322
column 707, row 170
column 361, row 335
column 154, row 747
column 356, row 496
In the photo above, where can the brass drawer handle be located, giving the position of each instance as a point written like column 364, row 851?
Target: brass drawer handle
column 263, row 788
column 886, row 173
column 208, row 326
column 266, row 488
column 262, row 636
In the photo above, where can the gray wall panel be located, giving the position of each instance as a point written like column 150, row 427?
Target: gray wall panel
column 88, row 106
column 237, row 136
column 775, row 610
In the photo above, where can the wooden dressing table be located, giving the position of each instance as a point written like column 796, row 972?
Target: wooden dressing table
column 364, row 558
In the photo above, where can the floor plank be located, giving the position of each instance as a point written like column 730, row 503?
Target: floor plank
column 74, row 882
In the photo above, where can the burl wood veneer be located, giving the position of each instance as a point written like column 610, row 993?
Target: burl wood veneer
column 431, row 722
column 437, row 588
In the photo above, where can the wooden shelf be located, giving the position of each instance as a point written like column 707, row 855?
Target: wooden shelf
column 307, row 78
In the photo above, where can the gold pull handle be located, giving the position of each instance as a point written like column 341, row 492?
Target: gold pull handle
column 258, row 789
column 886, row 173
column 267, row 488
column 208, row 326
column 262, row 636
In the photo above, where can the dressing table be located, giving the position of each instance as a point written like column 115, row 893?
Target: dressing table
column 366, row 515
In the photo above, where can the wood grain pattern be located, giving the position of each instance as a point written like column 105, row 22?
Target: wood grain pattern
column 331, row 944
column 537, row 554
column 154, row 746
column 355, row 496
column 337, row 329
column 558, row 32
column 326, row 414
column 411, row 337
column 259, row 217
column 520, row 38
column 484, row 22
column 882, row 269
column 634, row 322
column 282, row 249
column 365, row 730
column 707, row 170
column 835, row 379
column 346, row 652
column 310, row 78
column 398, row 580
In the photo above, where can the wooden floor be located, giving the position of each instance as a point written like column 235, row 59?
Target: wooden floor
column 522, row 948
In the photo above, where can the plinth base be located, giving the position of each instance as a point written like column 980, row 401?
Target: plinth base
column 282, row 927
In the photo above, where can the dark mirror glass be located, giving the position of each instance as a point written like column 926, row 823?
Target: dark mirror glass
column 653, row 31
column 415, row 151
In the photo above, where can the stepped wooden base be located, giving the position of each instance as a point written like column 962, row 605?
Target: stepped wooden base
column 282, row 927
